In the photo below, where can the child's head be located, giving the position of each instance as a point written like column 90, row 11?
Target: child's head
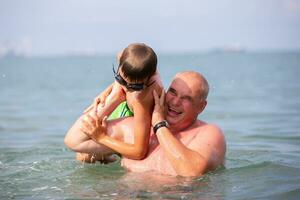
column 137, row 62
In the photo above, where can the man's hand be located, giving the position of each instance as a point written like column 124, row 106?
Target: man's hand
column 159, row 107
column 94, row 127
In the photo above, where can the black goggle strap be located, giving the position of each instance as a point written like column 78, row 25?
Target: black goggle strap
column 118, row 77
column 138, row 86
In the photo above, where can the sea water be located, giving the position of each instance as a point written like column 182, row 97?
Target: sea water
column 254, row 98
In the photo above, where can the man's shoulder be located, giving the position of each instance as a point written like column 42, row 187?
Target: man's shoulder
column 209, row 132
column 209, row 141
column 212, row 128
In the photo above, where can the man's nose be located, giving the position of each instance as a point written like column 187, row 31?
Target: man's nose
column 176, row 101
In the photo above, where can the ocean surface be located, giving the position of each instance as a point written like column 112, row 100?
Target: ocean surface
column 254, row 98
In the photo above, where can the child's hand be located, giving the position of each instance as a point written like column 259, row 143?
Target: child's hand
column 116, row 93
column 94, row 127
column 99, row 100
column 113, row 92
column 159, row 107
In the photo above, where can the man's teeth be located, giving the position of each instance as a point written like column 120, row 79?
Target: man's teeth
column 173, row 110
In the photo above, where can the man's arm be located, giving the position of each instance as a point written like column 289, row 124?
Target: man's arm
column 78, row 141
column 199, row 156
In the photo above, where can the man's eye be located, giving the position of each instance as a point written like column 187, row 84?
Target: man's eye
column 186, row 99
column 172, row 92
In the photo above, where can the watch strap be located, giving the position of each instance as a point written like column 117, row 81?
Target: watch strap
column 163, row 123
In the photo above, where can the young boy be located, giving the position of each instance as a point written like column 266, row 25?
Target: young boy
column 135, row 77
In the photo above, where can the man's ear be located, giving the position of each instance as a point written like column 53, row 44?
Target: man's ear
column 202, row 106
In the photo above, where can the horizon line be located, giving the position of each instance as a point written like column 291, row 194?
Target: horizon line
column 162, row 52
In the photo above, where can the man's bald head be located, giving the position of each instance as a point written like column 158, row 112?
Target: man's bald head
column 195, row 79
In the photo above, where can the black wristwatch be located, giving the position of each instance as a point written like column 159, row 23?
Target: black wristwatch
column 163, row 123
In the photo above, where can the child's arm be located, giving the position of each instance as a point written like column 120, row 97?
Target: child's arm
column 142, row 125
column 75, row 138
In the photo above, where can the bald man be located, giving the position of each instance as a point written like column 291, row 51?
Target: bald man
column 179, row 144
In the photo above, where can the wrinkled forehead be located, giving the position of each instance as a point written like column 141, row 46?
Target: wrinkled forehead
column 187, row 81
column 184, row 87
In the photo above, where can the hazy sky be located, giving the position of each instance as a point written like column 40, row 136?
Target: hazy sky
column 95, row 26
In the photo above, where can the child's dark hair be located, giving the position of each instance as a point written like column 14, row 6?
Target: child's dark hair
column 138, row 62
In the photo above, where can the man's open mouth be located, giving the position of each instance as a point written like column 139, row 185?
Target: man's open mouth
column 173, row 111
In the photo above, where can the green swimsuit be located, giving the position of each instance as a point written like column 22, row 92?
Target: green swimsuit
column 121, row 111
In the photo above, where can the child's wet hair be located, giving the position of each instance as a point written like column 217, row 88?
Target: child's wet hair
column 138, row 62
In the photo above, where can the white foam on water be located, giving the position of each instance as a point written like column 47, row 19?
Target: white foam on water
column 34, row 169
column 56, row 188
column 40, row 188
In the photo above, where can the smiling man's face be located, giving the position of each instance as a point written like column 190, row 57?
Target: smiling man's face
column 183, row 101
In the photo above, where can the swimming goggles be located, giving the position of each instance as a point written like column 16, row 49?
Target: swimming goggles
column 130, row 86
